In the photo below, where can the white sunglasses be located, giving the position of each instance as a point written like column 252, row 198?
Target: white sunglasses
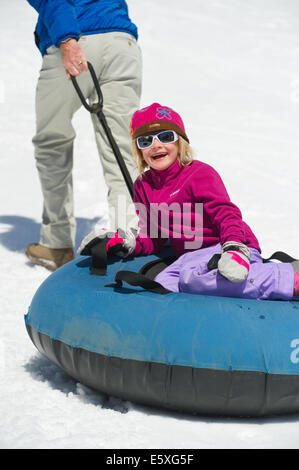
column 164, row 137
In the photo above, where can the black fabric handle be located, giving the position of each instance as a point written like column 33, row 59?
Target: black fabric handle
column 96, row 248
column 280, row 256
column 95, row 107
column 153, row 268
column 137, row 279
column 99, row 259
column 213, row 263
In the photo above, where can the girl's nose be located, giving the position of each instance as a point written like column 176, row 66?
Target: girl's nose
column 156, row 142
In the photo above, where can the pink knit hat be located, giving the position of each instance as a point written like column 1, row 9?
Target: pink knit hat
column 155, row 118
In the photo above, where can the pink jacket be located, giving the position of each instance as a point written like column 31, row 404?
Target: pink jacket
column 168, row 206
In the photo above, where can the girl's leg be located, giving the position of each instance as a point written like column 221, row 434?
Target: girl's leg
column 265, row 280
column 169, row 277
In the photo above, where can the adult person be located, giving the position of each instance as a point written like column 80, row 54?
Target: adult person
column 68, row 34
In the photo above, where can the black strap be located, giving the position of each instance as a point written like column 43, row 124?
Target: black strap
column 96, row 248
column 280, row 256
column 137, row 279
column 153, row 268
column 145, row 277
column 99, row 259
column 97, row 108
column 213, row 263
column 147, row 283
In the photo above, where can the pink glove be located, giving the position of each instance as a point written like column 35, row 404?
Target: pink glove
column 114, row 241
column 122, row 244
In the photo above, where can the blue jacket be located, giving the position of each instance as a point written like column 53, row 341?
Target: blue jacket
column 62, row 19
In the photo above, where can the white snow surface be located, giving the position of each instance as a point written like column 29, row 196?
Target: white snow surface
column 230, row 68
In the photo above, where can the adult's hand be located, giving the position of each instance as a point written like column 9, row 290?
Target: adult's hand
column 73, row 58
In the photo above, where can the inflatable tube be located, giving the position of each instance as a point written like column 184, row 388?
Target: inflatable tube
column 196, row 354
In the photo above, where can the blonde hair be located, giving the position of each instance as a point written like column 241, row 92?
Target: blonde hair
column 185, row 155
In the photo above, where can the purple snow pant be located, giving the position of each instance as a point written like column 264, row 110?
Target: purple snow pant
column 189, row 273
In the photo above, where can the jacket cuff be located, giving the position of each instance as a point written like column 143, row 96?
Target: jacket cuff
column 69, row 36
column 64, row 40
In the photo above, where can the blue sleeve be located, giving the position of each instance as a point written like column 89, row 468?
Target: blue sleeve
column 59, row 17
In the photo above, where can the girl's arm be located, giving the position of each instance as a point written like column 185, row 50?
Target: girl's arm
column 145, row 245
column 217, row 206
column 234, row 263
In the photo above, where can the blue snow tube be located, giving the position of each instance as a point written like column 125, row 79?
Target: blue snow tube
column 197, row 354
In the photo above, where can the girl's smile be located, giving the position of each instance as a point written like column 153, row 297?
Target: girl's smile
column 160, row 156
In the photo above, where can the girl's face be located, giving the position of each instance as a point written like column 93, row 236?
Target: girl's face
column 160, row 156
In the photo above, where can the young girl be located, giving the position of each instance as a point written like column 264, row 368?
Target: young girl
column 185, row 201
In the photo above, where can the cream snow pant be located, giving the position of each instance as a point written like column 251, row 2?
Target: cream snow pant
column 117, row 61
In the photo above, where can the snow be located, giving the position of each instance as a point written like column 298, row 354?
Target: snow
column 231, row 69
